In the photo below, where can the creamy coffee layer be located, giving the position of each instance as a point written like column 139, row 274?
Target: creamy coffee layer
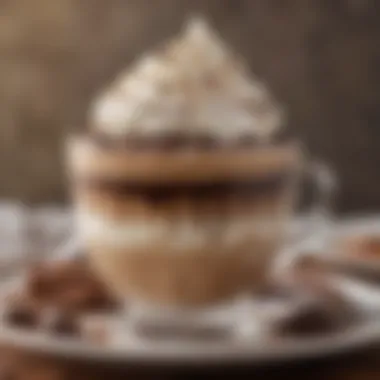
column 87, row 159
column 177, row 140
column 189, row 280
column 184, row 207
column 157, row 193
column 180, row 233
column 119, row 206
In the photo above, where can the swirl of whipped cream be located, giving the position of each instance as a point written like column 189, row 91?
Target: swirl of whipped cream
column 193, row 86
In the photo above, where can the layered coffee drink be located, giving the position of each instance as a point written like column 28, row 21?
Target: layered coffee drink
column 183, row 192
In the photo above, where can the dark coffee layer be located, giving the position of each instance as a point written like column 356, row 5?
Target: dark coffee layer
column 178, row 140
column 162, row 192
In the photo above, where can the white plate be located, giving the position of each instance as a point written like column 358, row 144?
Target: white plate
column 238, row 353
column 262, row 350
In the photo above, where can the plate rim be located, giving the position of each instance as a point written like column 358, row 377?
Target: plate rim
column 361, row 336
column 276, row 350
column 240, row 352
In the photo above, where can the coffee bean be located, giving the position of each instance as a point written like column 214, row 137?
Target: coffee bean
column 65, row 326
column 21, row 316
column 60, row 323
column 310, row 321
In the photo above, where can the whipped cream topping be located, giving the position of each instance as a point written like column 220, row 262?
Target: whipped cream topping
column 193, row 86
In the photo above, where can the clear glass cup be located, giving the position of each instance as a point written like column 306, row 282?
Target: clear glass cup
column 184, row 235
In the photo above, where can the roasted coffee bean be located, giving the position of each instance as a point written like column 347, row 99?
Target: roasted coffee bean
column 310, row 321
column 69, row 285
column 21, row 316
column 62, row 324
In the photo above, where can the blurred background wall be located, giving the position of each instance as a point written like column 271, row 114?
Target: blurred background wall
column 320, row 57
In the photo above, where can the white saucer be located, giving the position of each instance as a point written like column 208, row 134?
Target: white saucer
column 264, row 349
column 260, row 352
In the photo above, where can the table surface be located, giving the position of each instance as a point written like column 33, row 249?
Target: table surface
column 17, row 365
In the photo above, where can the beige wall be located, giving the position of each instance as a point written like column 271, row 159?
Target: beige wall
column 320, row 57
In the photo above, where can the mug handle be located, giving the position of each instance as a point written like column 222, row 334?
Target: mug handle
column 319, row 219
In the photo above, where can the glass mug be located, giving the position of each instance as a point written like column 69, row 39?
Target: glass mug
column 178, row 233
